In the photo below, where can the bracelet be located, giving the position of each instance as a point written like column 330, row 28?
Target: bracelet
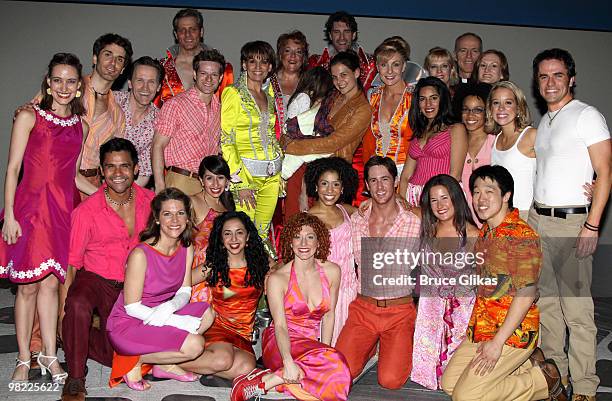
column 591, row 227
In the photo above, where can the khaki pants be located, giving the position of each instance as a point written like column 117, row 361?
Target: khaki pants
column 513, row 378
column 189, row 185
column 565, row 300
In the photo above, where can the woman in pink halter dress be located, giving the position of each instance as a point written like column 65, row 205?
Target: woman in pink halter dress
column 214, row 199
column 332, row 181
column 47, row 141
column 438, row 146
column 298, row 363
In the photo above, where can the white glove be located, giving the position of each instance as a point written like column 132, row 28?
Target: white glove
column 139, row 311
column 160, row 314
column 163, row 311
column 185, row 322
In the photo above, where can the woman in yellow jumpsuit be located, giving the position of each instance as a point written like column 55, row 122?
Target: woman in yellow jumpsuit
column 248, row 139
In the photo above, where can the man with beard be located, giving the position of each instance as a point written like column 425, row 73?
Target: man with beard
column 111, row 54
column 341, row 34
column 188, row 128
column 188, row 28
column 104, row 230
column 140, row 112
column 382, row 313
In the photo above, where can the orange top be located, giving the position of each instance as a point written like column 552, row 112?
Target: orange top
column 392, row 139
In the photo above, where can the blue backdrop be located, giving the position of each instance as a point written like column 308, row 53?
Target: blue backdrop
column 587, row 15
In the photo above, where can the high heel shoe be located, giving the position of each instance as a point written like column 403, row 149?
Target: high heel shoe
column 140, row 385
column 22, row 363
column 164, row 374
column 58, row 378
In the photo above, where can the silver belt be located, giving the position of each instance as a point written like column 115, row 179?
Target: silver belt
column 263, row 168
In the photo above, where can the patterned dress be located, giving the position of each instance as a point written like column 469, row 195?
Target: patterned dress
column 326, row 373
column 200, row 292
column 342, row 255
column 44, row 199
column 442, row 319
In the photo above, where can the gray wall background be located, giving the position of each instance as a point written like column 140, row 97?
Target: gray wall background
column 33, row 31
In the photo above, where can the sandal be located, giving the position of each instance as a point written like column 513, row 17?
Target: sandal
column 22, row 363
column 58, row 378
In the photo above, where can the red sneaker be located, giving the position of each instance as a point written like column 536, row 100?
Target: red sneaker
column 249, row 385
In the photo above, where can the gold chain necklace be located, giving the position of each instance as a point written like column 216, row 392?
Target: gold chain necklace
column 114, row 202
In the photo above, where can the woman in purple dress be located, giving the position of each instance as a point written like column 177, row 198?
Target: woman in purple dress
column 152, row 316
column 47, row 140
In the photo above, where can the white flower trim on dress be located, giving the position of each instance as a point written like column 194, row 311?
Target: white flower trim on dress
column 55, row 120
column 32, row 274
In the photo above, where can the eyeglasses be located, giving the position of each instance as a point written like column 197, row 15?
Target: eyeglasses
column 475, row 110
column 440, row 67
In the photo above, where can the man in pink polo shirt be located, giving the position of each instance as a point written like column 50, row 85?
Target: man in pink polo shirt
column 188, row 128
column 105, row 228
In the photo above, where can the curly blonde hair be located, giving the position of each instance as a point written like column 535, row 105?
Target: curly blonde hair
column 523, row 116
column 293, row 228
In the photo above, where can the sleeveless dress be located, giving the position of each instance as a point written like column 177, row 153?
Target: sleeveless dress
column 442, row 319
column 522, row 169
column 481, row 159
column 235, row 307
column 432, row 159
column 200, row 292
column 44, row 199
column 326, row 373
column 163, row 277
column 342, row 255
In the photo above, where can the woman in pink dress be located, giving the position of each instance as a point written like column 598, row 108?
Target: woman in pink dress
column 480, row 143
column 47, row 140
column 444, row 310
column 333, row 183
column 438, row 146
column 152, row 317
column 302, row 297
column 214, row 199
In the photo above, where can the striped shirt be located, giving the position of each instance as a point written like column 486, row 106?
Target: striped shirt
column 194, row 129
column 102, row 128
column 432, row 159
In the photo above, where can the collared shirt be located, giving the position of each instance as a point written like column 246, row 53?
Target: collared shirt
column 141, row 134
column 193, row 127
column 512, row 260
column 406, row 226
column 103, row 127
column 99, row 239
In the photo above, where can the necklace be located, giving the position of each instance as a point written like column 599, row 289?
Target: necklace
column 114, row 202
column 550, row 119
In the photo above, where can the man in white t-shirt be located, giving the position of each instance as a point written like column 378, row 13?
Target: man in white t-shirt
column 572, row 142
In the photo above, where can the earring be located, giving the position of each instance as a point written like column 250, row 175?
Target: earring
column 157, row 222
column 78, row 94
column 48, row 91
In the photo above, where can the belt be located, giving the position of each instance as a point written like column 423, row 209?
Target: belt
column 89, row 172
column 115, row 283
column 182, row 171
column 383, row 303
column 560, row 212
column 263, row 168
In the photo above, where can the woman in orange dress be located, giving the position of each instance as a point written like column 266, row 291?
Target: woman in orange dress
column 214, row 199
column 235, row 268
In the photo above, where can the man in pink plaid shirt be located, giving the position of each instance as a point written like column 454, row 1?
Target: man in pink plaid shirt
column 383, row 310
column 188, row 127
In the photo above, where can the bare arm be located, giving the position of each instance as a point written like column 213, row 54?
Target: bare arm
column 157, row 160
column 134, row 276
column 189, row 261
column 20, row 134
column 409, row 167
column 600, row 154
column 327, row 323
column 459, row 148
column 81, row 182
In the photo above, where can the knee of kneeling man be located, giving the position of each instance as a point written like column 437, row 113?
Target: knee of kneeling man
column 391, row 382
column 447, row 384
column 222, row 362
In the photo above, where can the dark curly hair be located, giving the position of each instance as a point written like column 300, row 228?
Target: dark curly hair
column 293, row 228
column 254, row 253
column 346, row 172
